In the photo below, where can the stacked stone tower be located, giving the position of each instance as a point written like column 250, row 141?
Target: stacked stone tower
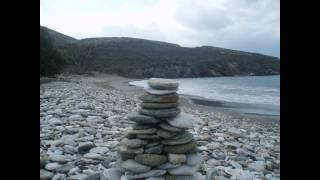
column 159, row 147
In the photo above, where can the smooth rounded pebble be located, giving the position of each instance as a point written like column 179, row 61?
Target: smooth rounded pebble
column 180, row 149
column 143, row 131
column 45, row 174
column 163, row 84
column 182, row 120
column 159, row 92
column 151, row 159
column 177, row 158
column 139, row 118
column 151, row 98
column 163, row 113
column 152, row 173
column 181, row 138
column 146, row 105
column 168, row 127
column 134, row 166
column 194, row 159
column 133, row 143
column 125, row 150
column 183, row 170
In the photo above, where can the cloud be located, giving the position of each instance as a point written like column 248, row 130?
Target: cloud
column 203, row 18
column 248, row 25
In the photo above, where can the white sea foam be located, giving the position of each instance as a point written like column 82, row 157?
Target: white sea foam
column 250, row 89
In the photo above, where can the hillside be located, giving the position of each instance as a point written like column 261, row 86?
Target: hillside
column 141, row 58
column 59, row 38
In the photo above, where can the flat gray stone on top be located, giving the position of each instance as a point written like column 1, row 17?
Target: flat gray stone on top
column 163, row 84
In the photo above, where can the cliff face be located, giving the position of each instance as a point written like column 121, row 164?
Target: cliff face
column 141, row 58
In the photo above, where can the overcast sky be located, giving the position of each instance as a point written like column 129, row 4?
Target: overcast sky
column 248, row 25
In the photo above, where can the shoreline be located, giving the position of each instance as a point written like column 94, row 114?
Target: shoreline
column 188, row 101
column 94, row 109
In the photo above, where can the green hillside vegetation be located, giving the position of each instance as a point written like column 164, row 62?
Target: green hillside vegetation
column 51, row 60
column 141, row 58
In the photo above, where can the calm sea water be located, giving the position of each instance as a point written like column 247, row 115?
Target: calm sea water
column 262, row 91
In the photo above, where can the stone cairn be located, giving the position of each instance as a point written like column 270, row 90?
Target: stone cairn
column 159, row 147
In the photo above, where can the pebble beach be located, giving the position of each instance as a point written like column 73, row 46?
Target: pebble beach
column 83, row 120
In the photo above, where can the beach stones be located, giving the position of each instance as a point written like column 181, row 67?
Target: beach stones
column 159, row 105
column 167, row 127
column 165, row 134
column 183, row 120
column 133, row 143
column 177, row 158
column 168, row 165
column 158, row 147
column 183, row 138
column 143, row 131
column 163, row 113
column 180, row 149
column 159, row 92
column 138, row 126
column 138, row 118
column 148, row 136
column 152, row 173
column 154, row 150
column 171, row 177
column 193, row 159
column 152, row 144
column 134, row 166
column 183, row 170
column 163, row 84
column 151, row 159
column 150, row 98
column 85, row 147
column 133, row 151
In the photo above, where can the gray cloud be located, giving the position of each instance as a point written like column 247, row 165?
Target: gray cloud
column 248, row 25
column 202, row 18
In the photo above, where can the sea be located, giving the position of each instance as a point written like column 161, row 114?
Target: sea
column 249, row 94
